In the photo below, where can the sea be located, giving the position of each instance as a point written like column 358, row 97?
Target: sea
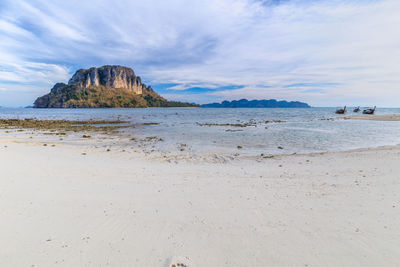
column 248, row 131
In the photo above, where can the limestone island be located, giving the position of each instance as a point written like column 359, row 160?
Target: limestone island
column 244, row 103
column 105, row 87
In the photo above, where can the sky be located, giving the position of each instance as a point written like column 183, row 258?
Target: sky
column 325, row 53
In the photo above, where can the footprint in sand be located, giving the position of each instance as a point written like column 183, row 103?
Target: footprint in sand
column 178, row 262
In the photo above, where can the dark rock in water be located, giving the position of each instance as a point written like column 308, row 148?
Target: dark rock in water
column 104, row 87
column 244, row 103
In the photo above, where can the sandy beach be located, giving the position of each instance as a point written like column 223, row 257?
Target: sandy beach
column 78, row 205
column 231, row 133
column 382, row 117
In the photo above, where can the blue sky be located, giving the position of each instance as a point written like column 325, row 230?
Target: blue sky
column 327, row 53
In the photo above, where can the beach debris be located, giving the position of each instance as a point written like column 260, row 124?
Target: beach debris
column 239, row 147
column 151, row 123
column 274, row 121
column 280, row 147
column 86, row 136
column 152, row 139
column 233, row 130
column 245, row 124
column 182, row 147
column 266, row 156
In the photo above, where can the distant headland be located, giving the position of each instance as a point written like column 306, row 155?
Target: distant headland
column 105, row 87
column 244, row 103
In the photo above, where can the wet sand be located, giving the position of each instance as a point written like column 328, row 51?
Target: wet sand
column 385, row 117
column 84, row 205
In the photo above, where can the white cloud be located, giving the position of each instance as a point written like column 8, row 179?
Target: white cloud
column 32, row 72
column 208, row 43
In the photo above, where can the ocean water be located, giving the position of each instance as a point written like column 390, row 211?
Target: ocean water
column 294, row 130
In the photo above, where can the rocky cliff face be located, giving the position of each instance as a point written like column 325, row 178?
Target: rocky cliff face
column 104, row 87
column 109, row 76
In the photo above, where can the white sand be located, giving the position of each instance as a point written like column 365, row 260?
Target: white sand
column 383, row 117
column 61, row 208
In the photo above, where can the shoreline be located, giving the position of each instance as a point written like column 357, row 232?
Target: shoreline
column 101, row 141
column 105, row 142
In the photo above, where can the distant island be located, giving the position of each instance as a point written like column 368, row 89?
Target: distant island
column 244, row 103
column 104, row 87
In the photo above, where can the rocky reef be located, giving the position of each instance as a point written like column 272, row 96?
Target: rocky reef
column 104, row 87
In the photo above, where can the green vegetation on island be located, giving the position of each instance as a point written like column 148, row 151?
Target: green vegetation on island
column 105, row 87
column 71, row 96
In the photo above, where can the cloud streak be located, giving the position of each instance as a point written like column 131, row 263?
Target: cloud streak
column 322, row 52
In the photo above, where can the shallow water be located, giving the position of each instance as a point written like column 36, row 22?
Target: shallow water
column 300, row 130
